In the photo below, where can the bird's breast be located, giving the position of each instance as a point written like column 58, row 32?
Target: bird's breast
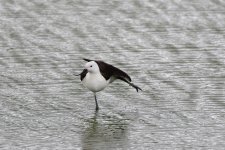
column 95, row 82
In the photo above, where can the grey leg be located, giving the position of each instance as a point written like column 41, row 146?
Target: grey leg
column 134, row 86
column 96, row 103
column 131, row 84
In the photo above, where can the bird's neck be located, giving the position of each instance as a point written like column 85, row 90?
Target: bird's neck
column 94, row 73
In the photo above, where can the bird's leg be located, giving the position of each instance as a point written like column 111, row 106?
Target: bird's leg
column 131, row 84
column 96, row 103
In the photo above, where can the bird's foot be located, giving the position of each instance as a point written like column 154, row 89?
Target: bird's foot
column 135, row 86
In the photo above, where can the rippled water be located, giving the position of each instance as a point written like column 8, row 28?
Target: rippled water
column 174, row 50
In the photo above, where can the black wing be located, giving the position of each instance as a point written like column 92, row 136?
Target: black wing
column 108, row 71
column 83, row 74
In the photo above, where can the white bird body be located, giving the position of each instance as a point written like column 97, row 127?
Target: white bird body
column 95, row 82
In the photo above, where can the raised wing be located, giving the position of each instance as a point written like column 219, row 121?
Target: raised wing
column 109, row 71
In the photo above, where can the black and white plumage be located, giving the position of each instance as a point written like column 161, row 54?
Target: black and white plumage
column 97, row 75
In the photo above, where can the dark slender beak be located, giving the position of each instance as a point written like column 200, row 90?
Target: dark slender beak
column 83, row 72
column 77, row 74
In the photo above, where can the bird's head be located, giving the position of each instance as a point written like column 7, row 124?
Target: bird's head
column 92, row 67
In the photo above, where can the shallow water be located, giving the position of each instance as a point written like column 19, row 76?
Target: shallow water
column 174, row 50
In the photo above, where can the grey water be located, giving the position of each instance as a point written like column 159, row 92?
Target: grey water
column 174, row 50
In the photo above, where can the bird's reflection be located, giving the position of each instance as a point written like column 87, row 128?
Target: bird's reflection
column 105, row 131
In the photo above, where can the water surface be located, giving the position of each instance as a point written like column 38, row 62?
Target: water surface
column 174, row 50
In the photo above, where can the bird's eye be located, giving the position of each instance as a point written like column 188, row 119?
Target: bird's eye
column 91, row 66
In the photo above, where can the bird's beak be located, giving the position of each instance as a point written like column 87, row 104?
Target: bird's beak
column 81, row 72
column 77, row 74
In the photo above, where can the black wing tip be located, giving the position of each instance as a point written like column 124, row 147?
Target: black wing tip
column 129, row 78
column 88, row 60
column 85, row 59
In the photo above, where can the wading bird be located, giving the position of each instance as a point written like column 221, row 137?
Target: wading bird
column 97, row 75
